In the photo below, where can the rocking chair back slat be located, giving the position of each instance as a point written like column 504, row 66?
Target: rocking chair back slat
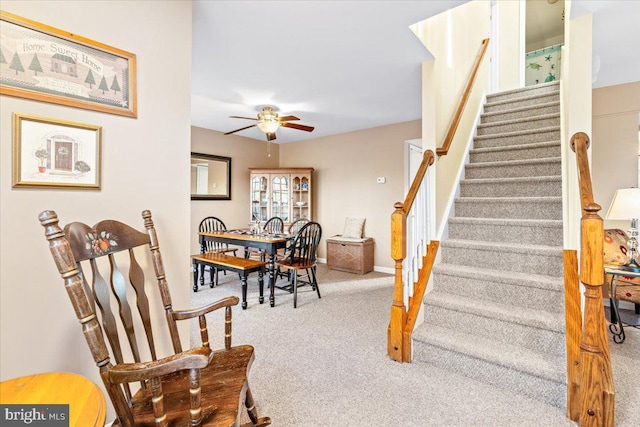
column 99, row 265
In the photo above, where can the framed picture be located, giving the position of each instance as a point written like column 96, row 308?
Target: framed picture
column 210, row 177
column 54, row 153
column 47, row 64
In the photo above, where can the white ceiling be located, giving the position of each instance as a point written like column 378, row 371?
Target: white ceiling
column 343, row 66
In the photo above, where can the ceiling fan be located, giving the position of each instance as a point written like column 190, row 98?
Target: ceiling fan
column 269, row 121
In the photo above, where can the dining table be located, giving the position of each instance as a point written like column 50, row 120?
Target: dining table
column 269, row 242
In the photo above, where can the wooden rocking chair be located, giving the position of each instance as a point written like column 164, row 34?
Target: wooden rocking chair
column 196, row 387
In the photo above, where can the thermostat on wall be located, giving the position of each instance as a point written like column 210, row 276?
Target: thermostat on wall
column 381, row 180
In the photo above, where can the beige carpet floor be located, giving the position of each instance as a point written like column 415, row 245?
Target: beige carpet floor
column 325, row 364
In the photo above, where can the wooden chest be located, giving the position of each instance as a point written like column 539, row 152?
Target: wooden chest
column 351, row 255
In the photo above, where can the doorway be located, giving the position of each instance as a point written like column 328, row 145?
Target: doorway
column 544, row 38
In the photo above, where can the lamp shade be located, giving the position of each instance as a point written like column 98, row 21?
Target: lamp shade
column 625, row 204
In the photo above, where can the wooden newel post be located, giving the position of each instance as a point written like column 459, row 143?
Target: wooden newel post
column 398, row 310
column 596, row 382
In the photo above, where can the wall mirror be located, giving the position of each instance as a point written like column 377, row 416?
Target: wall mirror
column 210, row 177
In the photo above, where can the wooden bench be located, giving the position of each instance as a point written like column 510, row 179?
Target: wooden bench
column 242, row 266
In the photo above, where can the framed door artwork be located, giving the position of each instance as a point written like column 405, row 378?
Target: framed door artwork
column 54, row 153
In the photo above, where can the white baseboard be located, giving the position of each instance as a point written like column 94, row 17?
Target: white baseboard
column 375, row 267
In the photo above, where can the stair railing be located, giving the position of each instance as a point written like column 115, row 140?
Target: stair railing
column 444, row 149
column 410, row 230
column 590, row 395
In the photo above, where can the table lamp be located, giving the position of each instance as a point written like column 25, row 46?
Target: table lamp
column 626, row 205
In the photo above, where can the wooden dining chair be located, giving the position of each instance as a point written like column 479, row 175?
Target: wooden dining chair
column 283, row 253
column 195, row 387
column 208, row 225
column 272, row 226
column 301, row 260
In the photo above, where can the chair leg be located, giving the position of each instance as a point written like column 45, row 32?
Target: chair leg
column 251, row 411
column 315, row 281
column 295, row 289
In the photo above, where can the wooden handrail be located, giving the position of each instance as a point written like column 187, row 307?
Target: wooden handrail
column 397, row 346
column 427, row 160
column 594, row 403
column 444, row 149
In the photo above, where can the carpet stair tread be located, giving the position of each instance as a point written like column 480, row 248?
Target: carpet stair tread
column 545, row 144
column 509, row 356
column 518, row 121
column 520, row 162
column 501, row 311
column 538, row 281
column 551, row 223
column 505, row 247
column 517, row 133
column 494, row 114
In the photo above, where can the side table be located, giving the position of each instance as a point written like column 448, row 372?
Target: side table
column 615, row 326
column 87, row 405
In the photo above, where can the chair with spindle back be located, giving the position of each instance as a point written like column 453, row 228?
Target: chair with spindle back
column 302, row 256
column 274, row 225
column 199, row 386
column 208, row 225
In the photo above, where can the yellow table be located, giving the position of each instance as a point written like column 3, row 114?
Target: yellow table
column 87, row 406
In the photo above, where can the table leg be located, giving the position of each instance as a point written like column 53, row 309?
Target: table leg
column 195, row 276
column 261, row 285
column 244, row 291
column 272, row 279
column 616, row 325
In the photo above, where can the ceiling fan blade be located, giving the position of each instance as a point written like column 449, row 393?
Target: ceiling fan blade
column 271, row 136
column 297, row 126
column 288, row 118
column 240, row 117
column 238, row 130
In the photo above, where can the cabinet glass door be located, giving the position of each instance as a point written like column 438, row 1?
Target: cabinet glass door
column 280, row 197
column 259, row 200
column 300, row 197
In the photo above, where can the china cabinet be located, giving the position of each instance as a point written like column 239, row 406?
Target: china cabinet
column 285, row 193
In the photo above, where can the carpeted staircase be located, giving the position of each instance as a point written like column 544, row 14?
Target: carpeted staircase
column 496, row 312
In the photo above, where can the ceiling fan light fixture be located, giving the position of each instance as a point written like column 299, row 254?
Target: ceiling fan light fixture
column 268, row 120
column 268, row 126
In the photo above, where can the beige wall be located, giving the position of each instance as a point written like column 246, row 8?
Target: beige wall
column 444, row 80
column 510, row 55
column 39, row 331
column 245, row 153
column 344, row 180
column 616, row 111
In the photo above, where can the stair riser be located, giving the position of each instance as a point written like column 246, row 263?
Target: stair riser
column 530, row 263
column 515, row 154
column 516, row 139
column 545, row 390
column 507, row 233
column 531, row 124
column 519, row 103
column 499, row 209
column 524, row 92
column 550, row 168
column 517, row 294
column 541, row 340
column 532, row 188
column 532, row 111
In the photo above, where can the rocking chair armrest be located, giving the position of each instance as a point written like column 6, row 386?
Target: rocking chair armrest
column 196, row 358
column 195, row 312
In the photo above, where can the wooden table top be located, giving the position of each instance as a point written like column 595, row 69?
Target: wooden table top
column 87, row 405
column 244, row 236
